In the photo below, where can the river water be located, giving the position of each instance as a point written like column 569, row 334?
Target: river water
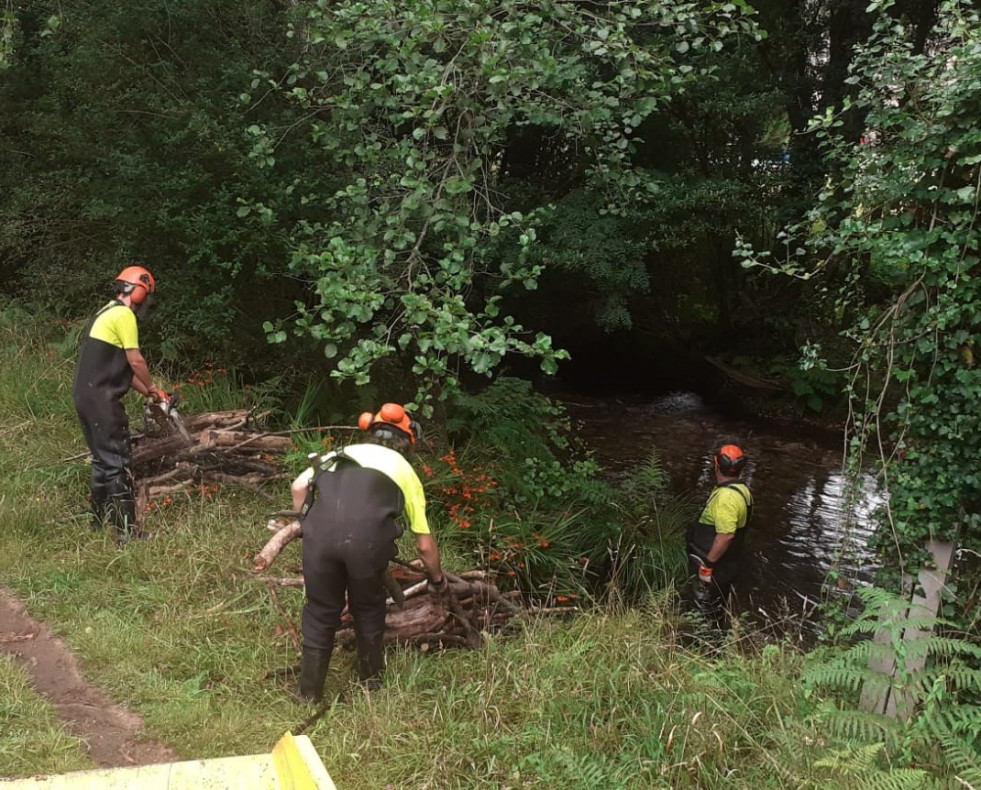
column 801, row 517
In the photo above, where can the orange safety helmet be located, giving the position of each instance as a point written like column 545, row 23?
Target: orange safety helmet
column 137, row 283
column 394, row 415
column 730, row 460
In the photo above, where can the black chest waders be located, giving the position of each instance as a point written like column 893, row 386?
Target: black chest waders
column 344, row 571
column 712, row 601
column 701, row 536
column 319, row 469
column 102, row 377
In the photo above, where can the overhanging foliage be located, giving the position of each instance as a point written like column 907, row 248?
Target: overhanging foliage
column 413, row 104
column 895, row 238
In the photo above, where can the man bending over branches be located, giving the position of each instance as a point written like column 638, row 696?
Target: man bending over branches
column 349, row 504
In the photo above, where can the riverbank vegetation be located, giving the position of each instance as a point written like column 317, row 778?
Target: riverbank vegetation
column 893, row 240
column 180, row 631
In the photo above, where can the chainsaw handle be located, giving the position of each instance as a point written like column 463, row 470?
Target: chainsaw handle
column 159, row 396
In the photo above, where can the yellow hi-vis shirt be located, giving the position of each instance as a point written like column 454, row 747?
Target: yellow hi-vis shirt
column 727, row 509
column 393, row 465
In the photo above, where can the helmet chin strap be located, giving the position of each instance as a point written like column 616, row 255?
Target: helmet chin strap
column 142, row 310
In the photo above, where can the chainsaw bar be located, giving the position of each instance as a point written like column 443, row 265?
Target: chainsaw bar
column 169, row 419
column 178, row 422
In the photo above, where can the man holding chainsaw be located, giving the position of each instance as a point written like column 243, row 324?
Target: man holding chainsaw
column 349, row 503
column 715, row 540
column 109, row 365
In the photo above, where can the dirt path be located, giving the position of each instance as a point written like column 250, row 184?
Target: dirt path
column 110, row 732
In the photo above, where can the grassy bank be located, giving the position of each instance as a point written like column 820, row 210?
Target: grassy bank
column 31, row 738
column 179, row 630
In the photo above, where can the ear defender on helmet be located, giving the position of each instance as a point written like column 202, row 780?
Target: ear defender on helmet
column 730, row 460
column 137, row 283
column 416, row 429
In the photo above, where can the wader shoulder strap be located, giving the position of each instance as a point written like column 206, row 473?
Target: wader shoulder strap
column 749, row 503
column 318, row 470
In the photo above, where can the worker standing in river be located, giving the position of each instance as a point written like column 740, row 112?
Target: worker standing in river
column 716, row 538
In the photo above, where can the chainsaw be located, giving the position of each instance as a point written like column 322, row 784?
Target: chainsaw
column 165, row 414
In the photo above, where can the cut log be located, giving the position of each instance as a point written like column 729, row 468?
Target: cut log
column 153, row 449
column 240, row 439
column 223, row 450
column 275, row 545
column 236, row 418
column 470, row 606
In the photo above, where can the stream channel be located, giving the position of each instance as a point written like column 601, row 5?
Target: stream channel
column 795, row 473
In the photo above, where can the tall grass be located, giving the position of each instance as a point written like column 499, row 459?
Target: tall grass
column 180, row 631
column 592, row 702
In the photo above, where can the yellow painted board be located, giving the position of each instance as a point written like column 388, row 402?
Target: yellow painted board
column 298, row 765
column 293, row 765
column 225, row 773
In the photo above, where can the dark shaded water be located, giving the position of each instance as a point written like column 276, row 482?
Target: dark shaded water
column 800, row 519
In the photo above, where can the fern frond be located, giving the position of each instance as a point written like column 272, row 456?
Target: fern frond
column 956, row 720
column 964, row 759
column 900, row 779
column 866, row 651
column 862, row 763
column 853, row 761
column 870, row 625
column 952, row 678
column 964, row 679
column 863, row 726
column 885, row 612
column 955, row 727
column 846, row 677
column 949, row 648
column 834, row 677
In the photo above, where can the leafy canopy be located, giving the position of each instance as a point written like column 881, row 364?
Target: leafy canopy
column 412, row 105
column 896, row 238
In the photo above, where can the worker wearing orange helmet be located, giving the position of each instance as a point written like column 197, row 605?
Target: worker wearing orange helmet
column 715, row 540
column 110, row 364
column 351, row 502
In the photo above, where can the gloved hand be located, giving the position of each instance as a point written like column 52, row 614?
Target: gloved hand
column 705, row 575
column 440, row 586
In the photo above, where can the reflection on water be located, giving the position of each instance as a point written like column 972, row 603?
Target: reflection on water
column 801, row 519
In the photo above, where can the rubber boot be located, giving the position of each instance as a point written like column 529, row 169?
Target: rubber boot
column 100, row 505
column 121, row 513
column 313, row 672
column 371, row 661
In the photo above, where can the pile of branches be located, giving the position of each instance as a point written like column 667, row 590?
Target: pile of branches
column 220, row 448
column 471, row 605
column 226, row 448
